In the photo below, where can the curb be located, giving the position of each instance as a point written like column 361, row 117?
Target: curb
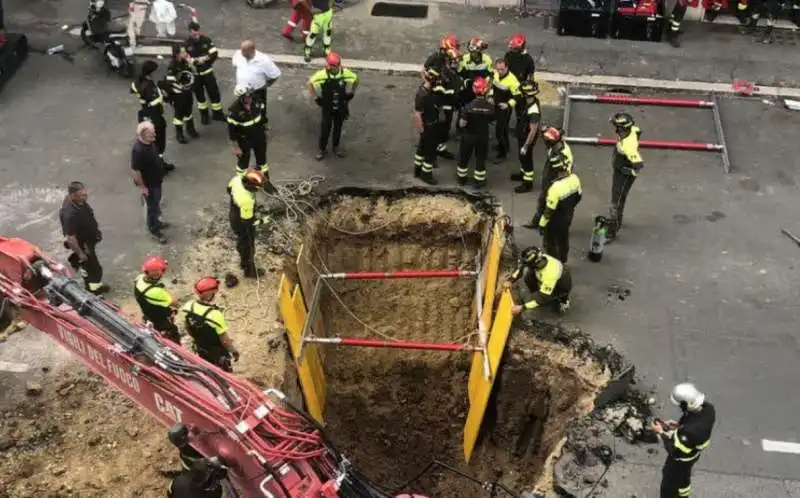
column 557, row 78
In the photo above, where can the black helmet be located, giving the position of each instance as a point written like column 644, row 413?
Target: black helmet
column 149, row 67
column 531, row 255
column 178, row 435
column 622, row 120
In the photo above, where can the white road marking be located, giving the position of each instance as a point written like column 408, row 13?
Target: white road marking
column 780, row 446
column 7, row 366
column 559, row 78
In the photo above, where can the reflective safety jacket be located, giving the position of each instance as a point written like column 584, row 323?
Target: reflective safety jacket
column 505, row 89
column 174, row 74
column 692, row 436
column 243, row 122
column 243, row 203
column 203, row 46
column 333, row 89
column 149, row 95
column 183, row 487
column 562, row 197
column 521, row 64
column 205, row 323
column 188, row 456
column 558, row 155
column 469, row 68
column 547, row 278
column 478, row 115
column 626, row 157
column 154, row 301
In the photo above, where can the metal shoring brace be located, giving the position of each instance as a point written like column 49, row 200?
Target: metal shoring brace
column 310, row 316
column 483, row 337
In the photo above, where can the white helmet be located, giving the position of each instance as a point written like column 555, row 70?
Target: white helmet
column 689, row 394
column 240, row 90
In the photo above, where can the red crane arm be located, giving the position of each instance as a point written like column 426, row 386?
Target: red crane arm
column 271, row 450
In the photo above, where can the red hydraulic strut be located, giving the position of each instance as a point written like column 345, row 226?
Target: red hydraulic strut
column 656, row 101
column 376, row 343
column 649, row 144
column 381, row 275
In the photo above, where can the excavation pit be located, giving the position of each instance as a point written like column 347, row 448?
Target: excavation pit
column 393, row 412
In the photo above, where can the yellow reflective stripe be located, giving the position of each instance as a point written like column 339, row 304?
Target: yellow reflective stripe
column 703, row 446
column 155, row 295
column 170, row 78
column 157, row 101
column 207, row 71
column 212, row 50
column 687, row 491
column 252, row 122
column 243, row 198
column 561, row 189
column 676, row 440
column 549, row 276
column 688, row 459
column 531, row 305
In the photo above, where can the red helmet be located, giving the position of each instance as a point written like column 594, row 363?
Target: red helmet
column 333, row 60
column 206, row 284
column 154, row 264
column 551, row 134
column 449, row 42
column 476, row 44
column 253, row 177
column 480, row 86
column 516, row 42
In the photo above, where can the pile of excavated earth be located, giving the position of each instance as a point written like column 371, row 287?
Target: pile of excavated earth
column 559, row 400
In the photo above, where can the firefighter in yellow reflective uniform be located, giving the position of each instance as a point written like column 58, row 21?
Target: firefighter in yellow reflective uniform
column 545, row 276
column 474, row 64
column 505, row 94
column 206, row 324
column 560, row 201
column 242, row 190
column 627, row 162
column 559, row 157
column 685, row 439
column 157, row 304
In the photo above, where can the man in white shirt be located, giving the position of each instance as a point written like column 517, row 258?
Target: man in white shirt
column 255, row 70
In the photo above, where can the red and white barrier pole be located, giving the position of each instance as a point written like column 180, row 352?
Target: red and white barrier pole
column 650, row 144
column 380, row 275
column 375, row 343
column 654, row 101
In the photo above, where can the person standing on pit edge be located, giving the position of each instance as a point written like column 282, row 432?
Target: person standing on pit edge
column 627, row 162
column 445, row 61
column 321, row 23
column 255, row 70
column 203, row 55
column 181, row 79
column 505, row 92
column 559, row 157
column 561, row 199
column 520, row 62
column 148, row 171
column 528, row 118
column 151, row 98
column 244, row 220
column 158, row 306
column 247, row 133
column 685, row 439
column 81, row 236
column 332, row 89
column 546, row 277
column 426, row 122
column 474, row 119
column 205, row 323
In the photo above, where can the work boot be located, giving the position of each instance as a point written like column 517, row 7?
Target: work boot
column 516, row 177
column 100, row 290
column 428, row 178
column 479, row 183
column 205, row 119
column 217, row 115
column 446, row 154
column 524, row 187
column 501, row 158
column 321, row 155
column 674, row 38
column 268, row 186
column 307, row 55
column 767, row 36
column 163, row 224
column 339, row 152
column 159, row 236
column 531, row 225
column 179, row 136
column 462, row 180
column 191, row 129
column 417, row 171
column 251, row 271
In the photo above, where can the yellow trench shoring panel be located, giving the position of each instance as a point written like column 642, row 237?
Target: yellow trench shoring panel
column 489, row 272
column 309, row 367
column 483, row 389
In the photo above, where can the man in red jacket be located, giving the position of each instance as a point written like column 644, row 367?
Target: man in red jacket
column 301, row 13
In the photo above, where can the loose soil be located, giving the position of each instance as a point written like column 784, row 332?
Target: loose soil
column 392, row 412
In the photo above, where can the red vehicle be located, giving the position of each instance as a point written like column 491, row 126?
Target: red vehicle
column 269, row 448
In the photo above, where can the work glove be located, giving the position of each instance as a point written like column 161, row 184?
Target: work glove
column 523, row 150
column 263, row 220
column 503, row 105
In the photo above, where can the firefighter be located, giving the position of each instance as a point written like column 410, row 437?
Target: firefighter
column 684, row 439
column 505, row 92
column 546, row 277
column 151, row 98
column 158, row 305
column 243, row 218
column 202, row 480
column 179, row 436
column 445, row 61
column 301, row 13
column 474, row 119
column 627, row 162
column 426, row 121
column 332, row 88
column 755, row 9
column 205, row 323
column 321, row 22
column 527, row 134
column 203, row 55
column 559, row 157
column 474, row 64
column 520, row 62
column 247, row 133
column 180, row 77
column 560, row 201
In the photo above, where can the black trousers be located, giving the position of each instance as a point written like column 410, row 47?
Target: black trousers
column 168, row 330
column 676, row 18
column 560, row 293
column 331, row 120
column 501, row 131
column 90, row 270
column 216, row 356
column 620, row 187
column 479, row 144
column 525, row 161
column 182, row 104
column 556, row 241
column 260, row 96
column 548, row 177
column 207, row 84
column 425, row 156
column 256, row 143
column 160, row 124
column 245, row 243
column 676, row 479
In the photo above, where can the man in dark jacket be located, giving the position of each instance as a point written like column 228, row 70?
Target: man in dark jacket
column 148, row 171
column 81, row 235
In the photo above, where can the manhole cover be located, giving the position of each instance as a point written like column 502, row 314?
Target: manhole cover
column 406, row 10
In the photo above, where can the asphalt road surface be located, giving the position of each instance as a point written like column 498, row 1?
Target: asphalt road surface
column 711, row 279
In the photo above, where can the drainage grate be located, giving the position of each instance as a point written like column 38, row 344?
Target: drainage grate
column 405, row 10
